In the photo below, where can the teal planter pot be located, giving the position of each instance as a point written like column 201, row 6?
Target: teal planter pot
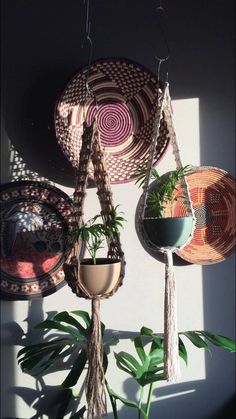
column 168, row 232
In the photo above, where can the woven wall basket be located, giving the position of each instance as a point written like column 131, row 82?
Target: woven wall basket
column 35, row 217
column 126, row 95
column 212, row 193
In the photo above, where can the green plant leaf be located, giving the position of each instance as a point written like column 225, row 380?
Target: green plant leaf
column 196, row 339
column 30, row 362
column 128, row 361
column 65, row 317
column 126, row 402
column 58, row 354
column 105, row 362
column 156, row 352
column 149, row 378
column 219, row 340
column 31, row 349
column 52, row 324
column 139, row 348
column 182, row 351
column 76, row 370
column 145, row 331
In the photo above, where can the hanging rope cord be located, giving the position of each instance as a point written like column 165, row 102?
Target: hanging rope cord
column 164, row 115
column 171, row 351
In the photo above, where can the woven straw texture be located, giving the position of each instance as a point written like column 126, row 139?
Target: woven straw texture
column 35, row 219
column 212, row 193
column 124, row 97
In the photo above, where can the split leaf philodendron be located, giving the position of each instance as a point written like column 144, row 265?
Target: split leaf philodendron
column 71, row 342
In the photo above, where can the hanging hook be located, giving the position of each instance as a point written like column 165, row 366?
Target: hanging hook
column 88, row 40
column 160, row 7
column 158, row 58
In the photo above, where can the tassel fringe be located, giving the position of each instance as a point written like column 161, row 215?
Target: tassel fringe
column 95, row 380
column 171, row 340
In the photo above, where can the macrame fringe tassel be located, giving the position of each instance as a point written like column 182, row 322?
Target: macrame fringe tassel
column 171, row 341
column 95, row 380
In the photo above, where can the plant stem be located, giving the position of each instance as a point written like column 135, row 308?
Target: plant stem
column 113, row 402
column 149, row 399
column 140, row 402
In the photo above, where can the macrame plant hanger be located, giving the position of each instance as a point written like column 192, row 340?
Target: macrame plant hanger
column 171, row 352
column 91, row 151
column 164, row 126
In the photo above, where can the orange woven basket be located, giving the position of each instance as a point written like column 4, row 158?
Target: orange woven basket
column 212, row 192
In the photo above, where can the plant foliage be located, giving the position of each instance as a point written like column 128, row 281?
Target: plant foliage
column 71, row 342
column 147, row 367
column 163, row 192
column 94, row 233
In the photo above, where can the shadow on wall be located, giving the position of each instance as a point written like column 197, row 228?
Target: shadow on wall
column 186, row 394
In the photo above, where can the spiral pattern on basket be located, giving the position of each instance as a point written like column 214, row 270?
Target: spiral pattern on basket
column 114, row 124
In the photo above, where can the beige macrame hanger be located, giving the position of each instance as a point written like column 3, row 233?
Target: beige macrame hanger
column 91, row 151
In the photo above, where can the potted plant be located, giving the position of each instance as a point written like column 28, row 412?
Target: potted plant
column 98, row 275
column 162, row 228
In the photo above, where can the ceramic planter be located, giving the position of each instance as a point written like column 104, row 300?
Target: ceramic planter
column 168, row 232
column 101, row 278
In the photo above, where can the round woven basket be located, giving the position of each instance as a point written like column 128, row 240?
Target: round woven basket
column 35, row 219
column 212, row 192
column 123, row 99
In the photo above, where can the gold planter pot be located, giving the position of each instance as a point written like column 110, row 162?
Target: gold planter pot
column 101, row 278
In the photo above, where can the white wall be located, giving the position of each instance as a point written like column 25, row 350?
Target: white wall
column 138, row 302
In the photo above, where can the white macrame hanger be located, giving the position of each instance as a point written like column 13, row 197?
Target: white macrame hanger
column 164, row 110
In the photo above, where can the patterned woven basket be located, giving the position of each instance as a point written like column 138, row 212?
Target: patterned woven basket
column 212, row 193
column 124, row 97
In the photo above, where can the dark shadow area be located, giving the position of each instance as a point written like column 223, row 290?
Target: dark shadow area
column 8, row 376
column 45, row 399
